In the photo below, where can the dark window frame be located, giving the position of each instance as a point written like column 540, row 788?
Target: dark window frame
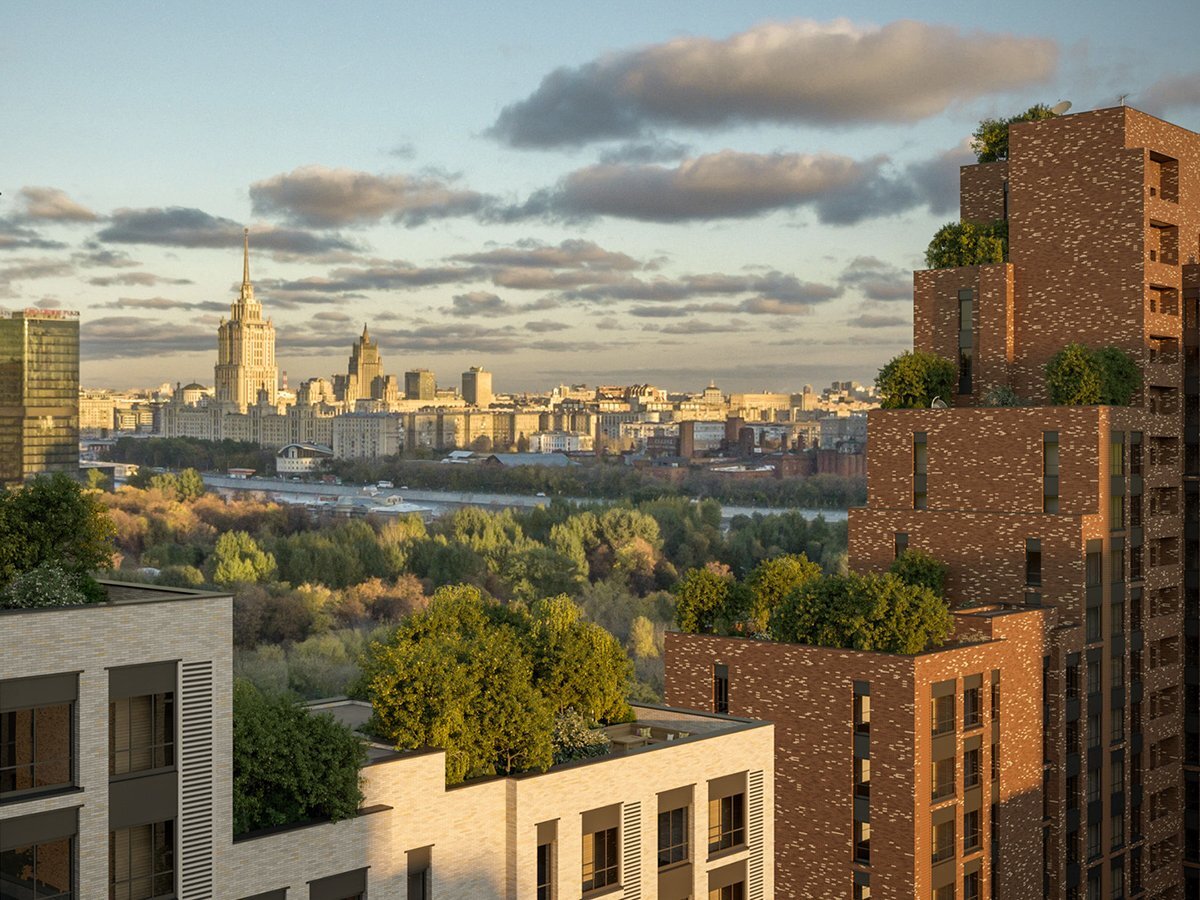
column 9, row 767
column 673, row 844
column 604, row 868
column 727, row 828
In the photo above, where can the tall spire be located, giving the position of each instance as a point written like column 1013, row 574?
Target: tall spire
column 245, row 256
column 366, row 337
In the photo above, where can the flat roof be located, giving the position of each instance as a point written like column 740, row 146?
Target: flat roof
column 124, row 593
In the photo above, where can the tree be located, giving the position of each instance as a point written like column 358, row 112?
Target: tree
column 862, row 612
column 773, row 580
column 700, row 597
column 1073, row 377
column 990, row 140
column 238, row 559
column 1119, row 376
column 53, row 521
column 189, row 485
column 967, row 244
column 290, row 765
column 919, row 569
column 912, row 380
column 96, row 480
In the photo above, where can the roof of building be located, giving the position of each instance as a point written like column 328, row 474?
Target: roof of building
column 125, row 593
column 532, row 459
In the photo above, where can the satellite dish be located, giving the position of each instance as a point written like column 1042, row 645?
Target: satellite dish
column 1061, row 107
column 938, row 403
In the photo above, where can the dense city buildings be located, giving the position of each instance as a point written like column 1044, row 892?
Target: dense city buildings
column 39, row 393
column 116, row 781
column 245, row 372
column 1085, row 517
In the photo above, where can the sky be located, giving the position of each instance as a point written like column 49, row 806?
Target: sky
column 669, row 192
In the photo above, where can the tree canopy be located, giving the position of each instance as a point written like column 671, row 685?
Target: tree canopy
column 990, row 140
column 967, row 244
column 52, row 523
column 862, row 612
column 918, row 568
column 1079, row 376
column 913, row 379
column 710, row 600
column 485, row 682
column 290, row 765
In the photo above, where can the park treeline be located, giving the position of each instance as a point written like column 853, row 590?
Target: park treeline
column 608, row 479
column 311, row 593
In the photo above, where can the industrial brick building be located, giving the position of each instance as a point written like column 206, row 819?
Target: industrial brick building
column 1087, row 516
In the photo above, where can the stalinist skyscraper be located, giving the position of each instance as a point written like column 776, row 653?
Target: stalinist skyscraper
column 245, row 348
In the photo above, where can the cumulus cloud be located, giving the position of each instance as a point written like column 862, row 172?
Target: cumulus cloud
column 832, row 73
column 320, row 197
column 696, row 326
column 29, row 269
column 541, row 326
column 164, row 303
column 177, row 226
column 771, row 285
column 385, row 276
column 123, row 337
column 1171, row 92
column 652, row 151
column 870, row 320
column 773, row 306
column 485, row 303
column 570, row 254
column 876, row 279
column 52, row 205
column 15, row 236
column 96, row 257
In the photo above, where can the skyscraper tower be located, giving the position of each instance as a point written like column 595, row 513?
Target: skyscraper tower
column 39, row 393
column 365, row 366
column 477, row 387
column 245, row 367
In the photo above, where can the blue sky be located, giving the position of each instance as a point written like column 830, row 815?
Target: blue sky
column 664, row 192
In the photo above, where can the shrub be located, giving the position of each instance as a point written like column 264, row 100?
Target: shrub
column 967, row 244
column 919, row 569
column 576, row 738
column 1002, row 395
column 1078, row 376
column 50, row 585
column 990, row 140
column 912, row 380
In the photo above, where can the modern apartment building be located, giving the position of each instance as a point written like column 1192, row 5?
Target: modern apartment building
column 477, row 387
column 420, row 384
column 115, row 781
column 39, row 393
column 1087, row 516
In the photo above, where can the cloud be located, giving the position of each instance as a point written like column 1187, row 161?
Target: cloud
column 770, row 285
column 696, row 326
column 1171, row 92
column 330, row 315
column 877, row 280
column 868, row 320
column 479, row 303
column 773, row 306
column 111, row 259
column 386, row 276
column 29, row 269
column 52, row 205
column 178, row 226
column 570, row 254
column 834, row 73
column 131, row 279
column 164, row 303
column 936, row 179
column 319, row 197
column 653, row 151
column 660, row 312
column 14, row 236
column 542, row 326
column 123, row 337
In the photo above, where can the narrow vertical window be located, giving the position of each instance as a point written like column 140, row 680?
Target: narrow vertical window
column 920, row 469
column 1033, row 562
column 1050, row 471
column 966, row 339
column 900, row 543
column 720, row 688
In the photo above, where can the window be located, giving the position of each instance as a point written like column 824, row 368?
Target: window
column 141, row 733
column 673, row 836
column 966, row 339
column 1117, row 830
column 1033, row 561
column 1116, row 453
column 943, row 841
column 1093, row 676
column 1118, row 560
column 943, row 778
column 736, row 891
column 972, row 707
column 37, row 734
column 862, row 886
column 1094, row 567
column 1050, row 471
column 995, row 693
column 545, row 872
column 899, row 543
column 945, row 892
column 1118, row 726
column 720, row 688
column 1116, row 619
column 1072, row 792
column 862, row 842
column 420, row 873
column 1117, row 879
column 943, row 714
column 1116, row 512
column 972, row 835
column 599, row 859
column 1093, row 793
column 141, row 861
column 972, row 770
column 44, row 870
column 726, row 822
column 920, row 469
column 1093, row 725
column 1093, row 841
column 971, row 886
column 862, row 708
column 862, row 777
column 995, row 762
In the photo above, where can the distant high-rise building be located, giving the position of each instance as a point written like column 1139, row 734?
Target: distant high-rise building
column 366, row 365
column 477, row 387
column 39, row 393
column 245, row 348
column 420, row 384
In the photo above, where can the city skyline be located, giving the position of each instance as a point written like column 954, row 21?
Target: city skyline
column 639, row 203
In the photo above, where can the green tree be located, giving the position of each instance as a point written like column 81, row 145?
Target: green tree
column 990, row 140
column 290, row 765
column 967, row 244
column 1073, row 377
column 918, row 568
column 96, row 480
column 1120, row 377
column 239, row 560
column 53, row 521
column 189, row 485
column 913, row 379
column 773, row 580
column 862, row 612
column 181, row 576
column 700, row 598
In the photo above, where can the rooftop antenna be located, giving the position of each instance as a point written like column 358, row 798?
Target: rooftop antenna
column 1060, row 107
column 1121, row 99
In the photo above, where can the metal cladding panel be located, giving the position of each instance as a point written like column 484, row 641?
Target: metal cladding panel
column 196, row 782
